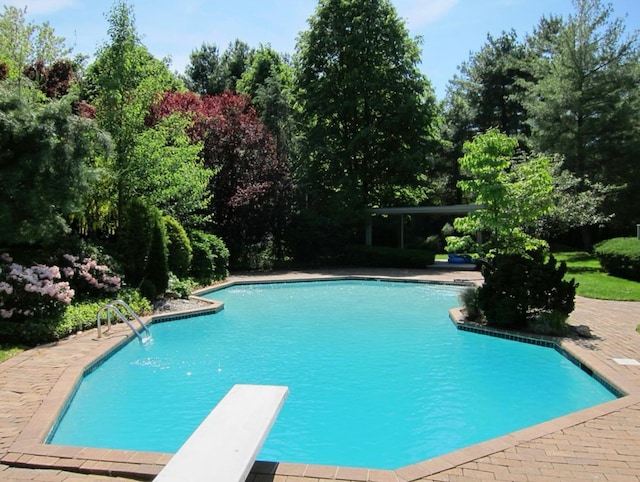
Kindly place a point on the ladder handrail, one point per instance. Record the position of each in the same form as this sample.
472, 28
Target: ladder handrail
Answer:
132, 313
113, 306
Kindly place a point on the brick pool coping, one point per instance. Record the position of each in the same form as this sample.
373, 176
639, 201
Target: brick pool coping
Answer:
35, 385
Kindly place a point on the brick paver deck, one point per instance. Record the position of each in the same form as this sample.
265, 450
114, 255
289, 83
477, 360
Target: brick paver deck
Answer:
600, 443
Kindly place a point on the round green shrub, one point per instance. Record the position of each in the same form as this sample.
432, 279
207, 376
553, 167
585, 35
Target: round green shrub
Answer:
620, 257
210, 257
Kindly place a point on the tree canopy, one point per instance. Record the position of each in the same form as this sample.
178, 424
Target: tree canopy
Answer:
367, 112
514, 194
45, 164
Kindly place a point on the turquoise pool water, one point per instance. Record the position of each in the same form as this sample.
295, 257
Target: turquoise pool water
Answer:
379, 376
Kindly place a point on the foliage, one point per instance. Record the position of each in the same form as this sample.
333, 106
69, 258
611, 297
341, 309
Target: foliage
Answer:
383, 257
252, 187
366, 111
492, 85
620, 257
469, 301
180, 287
122, 83
179, 248
87, 277
23, 43
268, 81
33, 292
212, 74
54, 81
156, 269
576, 203
584, 105
134, 238
82, 316
514, 195
210, 257
166, 169
46, 154
519, 290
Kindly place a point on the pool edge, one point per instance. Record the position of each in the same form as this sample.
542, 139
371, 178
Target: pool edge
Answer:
29, 451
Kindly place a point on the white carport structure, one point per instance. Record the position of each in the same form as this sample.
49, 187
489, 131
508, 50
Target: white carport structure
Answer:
454, 209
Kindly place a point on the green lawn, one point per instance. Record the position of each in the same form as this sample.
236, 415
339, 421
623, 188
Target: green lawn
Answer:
7, 352
594, 282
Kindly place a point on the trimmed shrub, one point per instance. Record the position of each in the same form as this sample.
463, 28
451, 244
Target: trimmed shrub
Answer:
620, 257
179, 246
156, 270
210, 257
134, 238
383, 257
519, 290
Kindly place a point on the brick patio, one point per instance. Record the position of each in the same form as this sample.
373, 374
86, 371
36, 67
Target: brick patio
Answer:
600, 443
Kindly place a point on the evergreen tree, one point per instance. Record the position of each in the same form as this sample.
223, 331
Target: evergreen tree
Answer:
584, 106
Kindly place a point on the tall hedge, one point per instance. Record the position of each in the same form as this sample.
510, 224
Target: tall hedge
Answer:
180, 250
134, 238
156, 270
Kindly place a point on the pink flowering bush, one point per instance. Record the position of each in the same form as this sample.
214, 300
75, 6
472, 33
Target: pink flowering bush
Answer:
88, 278
35, 292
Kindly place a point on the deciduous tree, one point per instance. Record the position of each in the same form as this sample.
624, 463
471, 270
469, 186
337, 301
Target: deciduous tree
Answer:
514, 195
252, 187
24, 43
122, 83
368, 113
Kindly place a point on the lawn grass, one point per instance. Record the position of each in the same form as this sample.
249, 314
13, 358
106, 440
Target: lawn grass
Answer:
7, 351
594, 282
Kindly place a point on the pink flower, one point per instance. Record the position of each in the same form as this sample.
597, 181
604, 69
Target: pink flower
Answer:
6, 287
6, 313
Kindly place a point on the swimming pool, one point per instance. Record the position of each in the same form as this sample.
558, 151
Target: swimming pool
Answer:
378, 375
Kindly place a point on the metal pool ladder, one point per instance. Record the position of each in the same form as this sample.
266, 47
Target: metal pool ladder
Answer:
143, 334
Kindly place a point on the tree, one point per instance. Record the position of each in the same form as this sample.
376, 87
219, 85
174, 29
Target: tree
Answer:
493, 84
202, 73
367, 112
23, 43
44, 168
251, 189
269, 83
514, 195
166, 169
122, 83
54, 81
210, 73
576, 203
584, 105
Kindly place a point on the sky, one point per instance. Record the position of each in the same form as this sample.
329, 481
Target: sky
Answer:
450, 29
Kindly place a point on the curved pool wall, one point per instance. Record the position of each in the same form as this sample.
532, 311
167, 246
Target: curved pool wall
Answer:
422, 452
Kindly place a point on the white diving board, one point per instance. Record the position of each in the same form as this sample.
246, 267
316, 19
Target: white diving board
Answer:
225, 446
